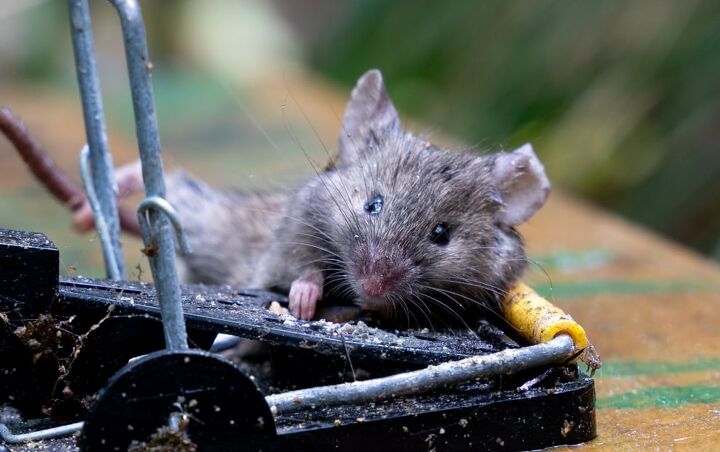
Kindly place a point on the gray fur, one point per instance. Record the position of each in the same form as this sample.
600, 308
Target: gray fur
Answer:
228, 230
268, 241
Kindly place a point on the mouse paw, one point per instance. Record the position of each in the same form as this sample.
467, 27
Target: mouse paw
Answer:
304, 295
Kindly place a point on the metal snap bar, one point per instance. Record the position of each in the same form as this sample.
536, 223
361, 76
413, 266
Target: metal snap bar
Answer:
102, 180
418, 381
162, 261
12, 438
154, 214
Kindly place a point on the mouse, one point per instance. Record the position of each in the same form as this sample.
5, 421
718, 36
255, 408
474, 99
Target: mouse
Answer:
397, 226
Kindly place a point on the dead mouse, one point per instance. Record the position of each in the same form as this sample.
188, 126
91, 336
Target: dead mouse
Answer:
398, 226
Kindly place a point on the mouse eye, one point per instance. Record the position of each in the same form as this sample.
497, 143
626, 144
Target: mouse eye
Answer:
440, 234
375, 205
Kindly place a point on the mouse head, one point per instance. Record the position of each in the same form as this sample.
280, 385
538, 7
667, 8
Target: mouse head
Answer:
419, 226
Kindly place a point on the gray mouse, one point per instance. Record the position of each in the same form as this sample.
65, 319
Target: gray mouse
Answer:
399, 226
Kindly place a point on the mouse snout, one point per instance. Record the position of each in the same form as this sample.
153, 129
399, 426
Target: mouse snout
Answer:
380, 275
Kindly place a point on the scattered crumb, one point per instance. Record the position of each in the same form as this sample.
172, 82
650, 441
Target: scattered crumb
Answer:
165, 439
566, 428
277, 309
430, 440
359, 330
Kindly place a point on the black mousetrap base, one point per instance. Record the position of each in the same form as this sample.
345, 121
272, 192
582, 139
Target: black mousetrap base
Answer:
66, 344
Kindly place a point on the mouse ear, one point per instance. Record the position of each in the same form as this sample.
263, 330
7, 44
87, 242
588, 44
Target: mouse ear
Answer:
370, 117
521, 181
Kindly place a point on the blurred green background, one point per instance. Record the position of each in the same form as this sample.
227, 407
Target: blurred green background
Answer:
620, 99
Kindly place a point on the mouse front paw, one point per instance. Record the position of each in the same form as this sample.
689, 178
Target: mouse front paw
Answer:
304, 295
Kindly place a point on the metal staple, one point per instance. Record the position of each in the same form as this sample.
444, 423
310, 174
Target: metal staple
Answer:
161, 205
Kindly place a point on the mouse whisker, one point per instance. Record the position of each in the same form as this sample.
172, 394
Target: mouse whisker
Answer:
449, 309
337, 280
349, 219
312, 245
307, 120
498, 291
428, 287
313, 236
344, 289
478, 303
485, 292
422, 307
327, 261
322, 178
408, 312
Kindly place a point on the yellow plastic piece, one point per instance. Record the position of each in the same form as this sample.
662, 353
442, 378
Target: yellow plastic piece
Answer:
537, 320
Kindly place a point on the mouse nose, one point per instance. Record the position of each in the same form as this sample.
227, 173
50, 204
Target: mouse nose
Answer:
380, 276
374, 287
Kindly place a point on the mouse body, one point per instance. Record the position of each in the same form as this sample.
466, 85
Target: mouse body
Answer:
398, 226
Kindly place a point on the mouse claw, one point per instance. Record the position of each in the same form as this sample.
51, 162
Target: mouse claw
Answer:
304, 295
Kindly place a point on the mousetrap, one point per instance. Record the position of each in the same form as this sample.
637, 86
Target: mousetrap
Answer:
66, 343
117, 365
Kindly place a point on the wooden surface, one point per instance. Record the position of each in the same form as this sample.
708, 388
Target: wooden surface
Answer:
651, 307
